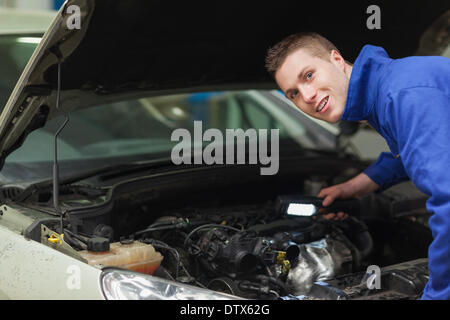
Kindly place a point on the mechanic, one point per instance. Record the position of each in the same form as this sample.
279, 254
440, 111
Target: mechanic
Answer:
406, 100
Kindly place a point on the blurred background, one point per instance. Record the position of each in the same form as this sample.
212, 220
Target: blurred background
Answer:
23, 22
32, 4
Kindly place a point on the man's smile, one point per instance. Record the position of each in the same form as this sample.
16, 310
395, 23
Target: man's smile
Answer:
323, 105
310, 81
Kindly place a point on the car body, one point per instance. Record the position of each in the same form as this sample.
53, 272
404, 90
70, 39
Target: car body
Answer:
87, 141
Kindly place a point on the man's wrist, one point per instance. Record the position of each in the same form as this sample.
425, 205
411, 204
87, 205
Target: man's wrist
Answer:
363, 184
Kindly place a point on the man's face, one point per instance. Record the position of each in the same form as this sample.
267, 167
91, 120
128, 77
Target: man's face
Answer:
316, 86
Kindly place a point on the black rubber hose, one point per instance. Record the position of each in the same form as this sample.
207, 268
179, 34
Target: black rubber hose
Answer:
273, 280
158, 228
364, 243
74, 235
73, 242
213, 225
356, 230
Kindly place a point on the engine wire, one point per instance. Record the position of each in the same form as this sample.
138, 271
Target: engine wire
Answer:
163, 245
212, 225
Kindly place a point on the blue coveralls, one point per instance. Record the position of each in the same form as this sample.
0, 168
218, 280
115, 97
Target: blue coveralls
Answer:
408, 102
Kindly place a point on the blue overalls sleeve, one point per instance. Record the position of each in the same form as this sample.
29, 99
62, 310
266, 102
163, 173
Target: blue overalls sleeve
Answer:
419, 118
387, 171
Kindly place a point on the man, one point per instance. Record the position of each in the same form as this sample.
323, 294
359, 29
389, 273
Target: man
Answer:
406, 100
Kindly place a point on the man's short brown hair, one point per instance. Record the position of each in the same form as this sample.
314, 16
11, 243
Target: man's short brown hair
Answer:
313, 42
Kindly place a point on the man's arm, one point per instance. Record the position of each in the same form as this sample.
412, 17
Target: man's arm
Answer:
387, 171
353, 188
382, 174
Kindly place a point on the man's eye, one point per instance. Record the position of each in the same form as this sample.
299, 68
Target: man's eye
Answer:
309, 75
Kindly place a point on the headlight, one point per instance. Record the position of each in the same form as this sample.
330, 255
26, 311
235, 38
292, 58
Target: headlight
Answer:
119, 284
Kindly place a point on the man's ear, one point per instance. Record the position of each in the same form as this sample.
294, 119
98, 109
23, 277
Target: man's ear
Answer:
337, 59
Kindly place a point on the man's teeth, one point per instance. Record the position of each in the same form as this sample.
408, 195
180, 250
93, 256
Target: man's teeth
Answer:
322, 104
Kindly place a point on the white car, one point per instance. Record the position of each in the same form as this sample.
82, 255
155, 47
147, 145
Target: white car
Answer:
97, 203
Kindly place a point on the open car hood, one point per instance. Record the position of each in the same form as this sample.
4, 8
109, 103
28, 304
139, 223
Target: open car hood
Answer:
140, 47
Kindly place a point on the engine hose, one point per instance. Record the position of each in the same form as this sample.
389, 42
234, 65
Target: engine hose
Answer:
261, 290
76, 236
174, 253
158, 228
357, 231
74, 242
364, 243
273, 280
212, 225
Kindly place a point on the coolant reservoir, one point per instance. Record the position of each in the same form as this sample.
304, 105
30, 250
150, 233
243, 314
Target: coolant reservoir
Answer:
137, 256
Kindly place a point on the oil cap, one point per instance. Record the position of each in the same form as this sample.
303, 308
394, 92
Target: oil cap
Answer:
98, 244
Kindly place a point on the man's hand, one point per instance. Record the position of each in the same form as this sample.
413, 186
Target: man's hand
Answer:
335, 216
353, 188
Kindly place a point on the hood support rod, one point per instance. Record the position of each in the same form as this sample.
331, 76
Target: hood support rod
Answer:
55, 151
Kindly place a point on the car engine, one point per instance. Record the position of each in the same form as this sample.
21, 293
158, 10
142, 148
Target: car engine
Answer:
253, 251
248, 247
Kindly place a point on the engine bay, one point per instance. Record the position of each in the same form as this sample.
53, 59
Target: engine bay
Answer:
250, 248
253, 253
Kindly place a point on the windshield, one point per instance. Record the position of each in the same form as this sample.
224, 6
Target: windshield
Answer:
15, 51
142, 128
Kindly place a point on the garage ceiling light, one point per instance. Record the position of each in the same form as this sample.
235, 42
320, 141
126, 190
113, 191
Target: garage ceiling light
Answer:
35, 40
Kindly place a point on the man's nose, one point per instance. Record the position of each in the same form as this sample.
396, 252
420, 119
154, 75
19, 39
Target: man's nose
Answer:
308, 93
